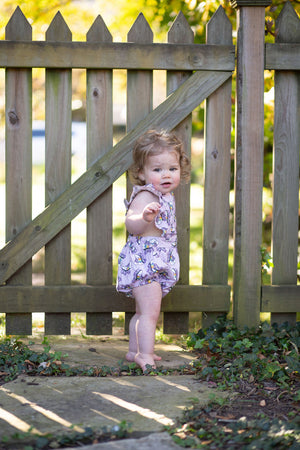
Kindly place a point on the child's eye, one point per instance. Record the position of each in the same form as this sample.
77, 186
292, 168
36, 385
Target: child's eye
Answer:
156, 169
173, 169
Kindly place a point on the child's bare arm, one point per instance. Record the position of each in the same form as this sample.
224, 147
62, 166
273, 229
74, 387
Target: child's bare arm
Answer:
141, 213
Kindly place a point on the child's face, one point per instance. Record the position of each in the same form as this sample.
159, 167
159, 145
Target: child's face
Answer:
162, 170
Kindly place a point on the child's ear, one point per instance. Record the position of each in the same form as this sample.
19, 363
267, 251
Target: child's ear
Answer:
141, 175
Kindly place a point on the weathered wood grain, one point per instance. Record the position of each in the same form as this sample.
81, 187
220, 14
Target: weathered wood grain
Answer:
249, 165
117, 55
283, 299
282, 56
84, 298
104, 172
58, 123
178, 323
99, 107
217, 169
286, 166
18, 148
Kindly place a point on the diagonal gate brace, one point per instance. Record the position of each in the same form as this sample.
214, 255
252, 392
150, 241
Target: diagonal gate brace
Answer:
104, 172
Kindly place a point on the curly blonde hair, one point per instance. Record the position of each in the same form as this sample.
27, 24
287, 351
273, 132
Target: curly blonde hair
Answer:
154, 142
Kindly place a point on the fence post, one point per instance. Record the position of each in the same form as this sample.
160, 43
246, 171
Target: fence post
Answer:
249, 160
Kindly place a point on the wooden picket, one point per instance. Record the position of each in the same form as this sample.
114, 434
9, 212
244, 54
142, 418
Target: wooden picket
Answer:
177, 322
217, 171
18, 93
58, 124
99, 213
286, 180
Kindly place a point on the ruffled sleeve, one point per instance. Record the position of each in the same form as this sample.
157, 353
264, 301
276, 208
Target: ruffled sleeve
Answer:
166, 218
137, 189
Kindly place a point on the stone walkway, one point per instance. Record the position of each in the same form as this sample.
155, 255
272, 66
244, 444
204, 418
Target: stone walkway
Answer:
58, 404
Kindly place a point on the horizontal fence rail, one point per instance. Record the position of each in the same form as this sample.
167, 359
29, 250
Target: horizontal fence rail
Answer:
282, 56
280, 299
92, 55
106, 299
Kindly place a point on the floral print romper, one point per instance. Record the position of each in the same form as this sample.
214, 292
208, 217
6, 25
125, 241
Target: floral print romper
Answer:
144, 258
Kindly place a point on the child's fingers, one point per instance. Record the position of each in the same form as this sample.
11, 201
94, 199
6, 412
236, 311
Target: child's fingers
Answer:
154, 206
152, 210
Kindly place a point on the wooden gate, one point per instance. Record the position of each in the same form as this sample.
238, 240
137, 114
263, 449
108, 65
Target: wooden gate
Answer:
213, 65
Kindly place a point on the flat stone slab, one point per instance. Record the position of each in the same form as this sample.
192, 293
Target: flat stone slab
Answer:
159, 441
58, 404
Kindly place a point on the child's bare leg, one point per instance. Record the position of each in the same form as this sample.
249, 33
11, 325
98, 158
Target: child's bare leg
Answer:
148, 303
132, 350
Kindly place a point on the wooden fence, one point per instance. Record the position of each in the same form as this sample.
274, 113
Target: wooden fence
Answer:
282, 299
194, 73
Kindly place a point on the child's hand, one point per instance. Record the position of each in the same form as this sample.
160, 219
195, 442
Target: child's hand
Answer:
151, 211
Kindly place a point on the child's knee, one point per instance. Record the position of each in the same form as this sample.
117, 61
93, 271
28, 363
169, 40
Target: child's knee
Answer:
154, 316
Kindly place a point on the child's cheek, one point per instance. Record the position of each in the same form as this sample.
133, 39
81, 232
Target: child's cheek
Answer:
155, 178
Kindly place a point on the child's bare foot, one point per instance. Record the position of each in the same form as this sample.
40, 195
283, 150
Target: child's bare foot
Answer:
131, 355
144, 360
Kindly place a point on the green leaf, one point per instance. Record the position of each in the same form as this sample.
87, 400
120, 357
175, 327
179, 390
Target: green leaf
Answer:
200, 343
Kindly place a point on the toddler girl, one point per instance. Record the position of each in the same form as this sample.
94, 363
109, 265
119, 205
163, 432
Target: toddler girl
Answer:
149, 263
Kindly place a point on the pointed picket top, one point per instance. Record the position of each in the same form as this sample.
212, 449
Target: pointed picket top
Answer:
219, 28
140, 31
18, 28
180, 31
99, 31
288, 25
58, 30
